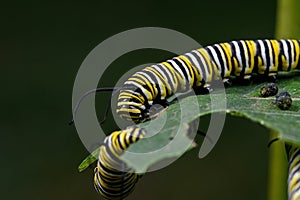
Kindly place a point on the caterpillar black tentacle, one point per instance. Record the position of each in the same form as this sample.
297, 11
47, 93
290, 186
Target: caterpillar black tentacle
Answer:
198, 68
90, 92
112, 179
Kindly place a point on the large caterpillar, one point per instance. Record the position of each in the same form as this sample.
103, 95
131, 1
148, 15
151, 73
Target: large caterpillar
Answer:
294, 172
195, 70
109, 180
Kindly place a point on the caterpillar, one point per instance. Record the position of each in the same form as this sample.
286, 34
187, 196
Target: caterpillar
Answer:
294, 172
198, 68
109, 180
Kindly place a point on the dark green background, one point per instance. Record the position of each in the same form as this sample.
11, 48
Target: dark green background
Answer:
42, 47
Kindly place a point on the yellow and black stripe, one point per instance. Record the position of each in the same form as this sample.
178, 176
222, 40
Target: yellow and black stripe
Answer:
294, 172
112, 179
196, 69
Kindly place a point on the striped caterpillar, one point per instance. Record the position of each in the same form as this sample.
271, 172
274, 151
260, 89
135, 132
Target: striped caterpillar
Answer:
198, 68
293, 153
109, 180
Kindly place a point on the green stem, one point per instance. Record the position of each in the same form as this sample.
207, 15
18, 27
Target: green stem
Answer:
287, 26
277, 170
288, 19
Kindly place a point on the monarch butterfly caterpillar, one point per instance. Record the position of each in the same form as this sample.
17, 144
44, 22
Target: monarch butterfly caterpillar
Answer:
294, 172
196, 69
109, 180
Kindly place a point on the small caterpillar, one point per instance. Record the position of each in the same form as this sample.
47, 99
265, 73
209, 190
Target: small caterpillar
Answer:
196, 69
109, 181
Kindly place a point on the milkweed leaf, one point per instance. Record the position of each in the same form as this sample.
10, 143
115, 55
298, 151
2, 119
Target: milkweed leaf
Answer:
242, 101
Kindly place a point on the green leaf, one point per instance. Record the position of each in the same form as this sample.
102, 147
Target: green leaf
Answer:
242, 101
246, 102
89, 160
169, 143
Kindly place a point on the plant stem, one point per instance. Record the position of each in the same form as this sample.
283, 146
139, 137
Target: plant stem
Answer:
287, 26
277, 170
288, 19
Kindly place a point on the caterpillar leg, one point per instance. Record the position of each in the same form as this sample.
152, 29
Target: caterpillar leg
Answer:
163, 102
272, 78
145, 115
272, 141
157, 107
267, 78
203, 89
246, 80
227, 82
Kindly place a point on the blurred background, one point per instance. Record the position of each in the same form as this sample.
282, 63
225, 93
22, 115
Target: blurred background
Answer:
43, 45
